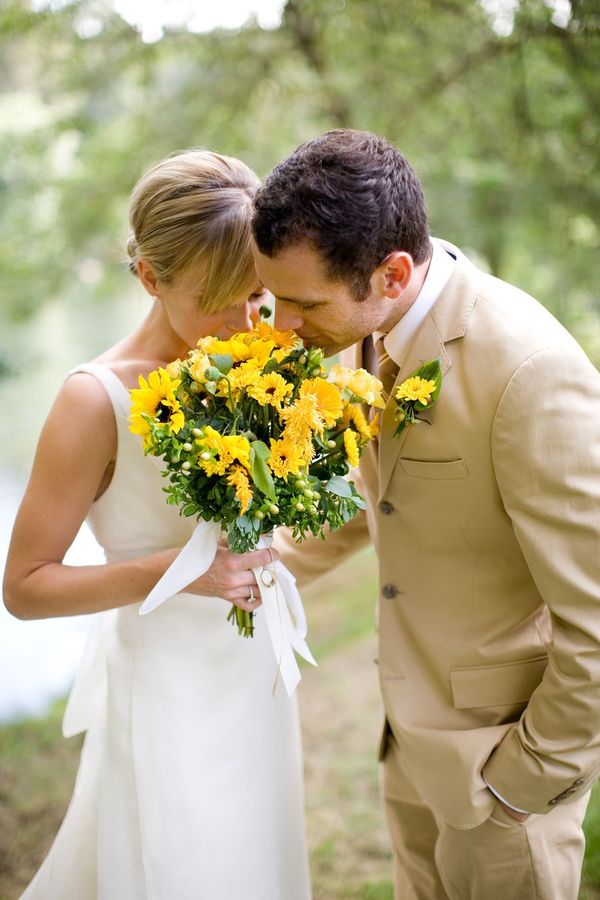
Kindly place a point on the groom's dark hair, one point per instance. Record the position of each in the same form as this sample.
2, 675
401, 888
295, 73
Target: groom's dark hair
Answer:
353, 196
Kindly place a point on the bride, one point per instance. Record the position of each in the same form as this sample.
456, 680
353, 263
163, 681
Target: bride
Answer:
190, 781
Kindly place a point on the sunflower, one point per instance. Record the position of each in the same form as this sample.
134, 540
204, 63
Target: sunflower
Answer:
285, 458
270, 390
238, 479
351, 447
329, 403
155, 399
415, 388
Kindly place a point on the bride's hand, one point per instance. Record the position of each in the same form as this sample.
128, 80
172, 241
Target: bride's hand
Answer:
231, 578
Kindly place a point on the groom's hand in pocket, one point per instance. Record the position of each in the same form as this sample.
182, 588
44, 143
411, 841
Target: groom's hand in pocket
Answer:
231, 577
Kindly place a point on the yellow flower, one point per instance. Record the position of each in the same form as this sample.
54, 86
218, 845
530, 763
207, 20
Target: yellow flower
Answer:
261, 351
214, 446
198, 363
328, 399
238, 479
286, 340
155, 398
353, 415
285, 458
173, 369
416, 388
301, 420
243, 375
238, 448
270, 390
351, 447
360, 383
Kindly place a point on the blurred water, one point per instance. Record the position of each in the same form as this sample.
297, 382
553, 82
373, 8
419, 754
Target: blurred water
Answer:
38, 658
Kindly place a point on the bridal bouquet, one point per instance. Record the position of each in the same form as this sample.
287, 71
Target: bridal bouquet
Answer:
256, 434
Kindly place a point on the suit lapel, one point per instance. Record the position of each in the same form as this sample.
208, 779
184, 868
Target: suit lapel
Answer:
427, 345
447, 321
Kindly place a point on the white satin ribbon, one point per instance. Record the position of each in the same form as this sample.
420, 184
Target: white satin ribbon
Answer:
283, 610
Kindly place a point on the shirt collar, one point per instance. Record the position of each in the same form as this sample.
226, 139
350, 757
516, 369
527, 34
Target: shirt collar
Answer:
398, 340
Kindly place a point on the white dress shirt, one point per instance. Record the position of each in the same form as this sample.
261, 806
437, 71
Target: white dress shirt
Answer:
398, 340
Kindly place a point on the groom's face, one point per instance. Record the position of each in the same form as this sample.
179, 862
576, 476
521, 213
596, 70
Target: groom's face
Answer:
324, 313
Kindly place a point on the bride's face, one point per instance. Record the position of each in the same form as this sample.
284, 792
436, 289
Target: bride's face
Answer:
181, 300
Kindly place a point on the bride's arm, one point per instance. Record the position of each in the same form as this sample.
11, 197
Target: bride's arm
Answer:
75, 448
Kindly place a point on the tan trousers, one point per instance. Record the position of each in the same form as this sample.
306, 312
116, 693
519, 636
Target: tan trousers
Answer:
499, 860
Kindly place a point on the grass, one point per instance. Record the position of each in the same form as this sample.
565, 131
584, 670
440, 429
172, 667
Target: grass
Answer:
341, 713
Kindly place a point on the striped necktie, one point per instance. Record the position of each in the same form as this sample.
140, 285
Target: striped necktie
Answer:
387, 370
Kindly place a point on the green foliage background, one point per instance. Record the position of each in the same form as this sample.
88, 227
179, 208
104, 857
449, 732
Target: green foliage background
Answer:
502, 128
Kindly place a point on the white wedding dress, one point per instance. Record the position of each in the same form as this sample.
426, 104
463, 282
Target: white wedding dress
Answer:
190, 785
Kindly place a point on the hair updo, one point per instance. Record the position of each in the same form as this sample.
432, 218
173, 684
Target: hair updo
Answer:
196, 207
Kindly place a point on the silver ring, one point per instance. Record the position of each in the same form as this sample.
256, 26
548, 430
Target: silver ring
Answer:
267, 578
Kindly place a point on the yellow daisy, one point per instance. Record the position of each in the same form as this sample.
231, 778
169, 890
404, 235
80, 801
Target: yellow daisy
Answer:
285, 458
270, 390
155, 398
238, 479
351, 447
416, 388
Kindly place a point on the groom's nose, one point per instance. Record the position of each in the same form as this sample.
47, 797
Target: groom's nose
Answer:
287, 319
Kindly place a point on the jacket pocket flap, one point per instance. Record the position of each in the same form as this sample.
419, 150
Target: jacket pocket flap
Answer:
499, 685
430, 468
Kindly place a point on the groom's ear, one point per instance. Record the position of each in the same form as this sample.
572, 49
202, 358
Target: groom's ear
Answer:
393, 274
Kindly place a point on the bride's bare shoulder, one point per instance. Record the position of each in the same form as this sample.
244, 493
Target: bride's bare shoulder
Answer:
127, 369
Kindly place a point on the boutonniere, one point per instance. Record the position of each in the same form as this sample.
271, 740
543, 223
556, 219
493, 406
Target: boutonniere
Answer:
418, 393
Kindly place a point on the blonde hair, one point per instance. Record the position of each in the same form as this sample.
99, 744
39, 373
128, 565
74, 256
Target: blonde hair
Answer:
196, 207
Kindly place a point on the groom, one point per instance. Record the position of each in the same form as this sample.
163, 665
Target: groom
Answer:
486, 523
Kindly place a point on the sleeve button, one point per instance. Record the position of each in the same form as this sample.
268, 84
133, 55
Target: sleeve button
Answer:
390, 591
386, 508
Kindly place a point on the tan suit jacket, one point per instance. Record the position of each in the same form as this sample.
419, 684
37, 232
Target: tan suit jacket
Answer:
487, 530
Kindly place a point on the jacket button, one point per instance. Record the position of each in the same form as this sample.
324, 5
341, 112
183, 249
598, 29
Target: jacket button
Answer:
386, 508
390, 591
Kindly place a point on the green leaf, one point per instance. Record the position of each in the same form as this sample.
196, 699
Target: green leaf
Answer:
338, 486
223, 362
261, 474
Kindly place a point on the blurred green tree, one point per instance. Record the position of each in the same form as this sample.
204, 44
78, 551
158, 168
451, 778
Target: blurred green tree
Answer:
495, 102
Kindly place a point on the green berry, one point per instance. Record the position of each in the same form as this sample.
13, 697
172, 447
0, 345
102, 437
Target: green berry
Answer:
197, 432
186, 466
259, 514
331, 444
274, 509
300, 507
187, 447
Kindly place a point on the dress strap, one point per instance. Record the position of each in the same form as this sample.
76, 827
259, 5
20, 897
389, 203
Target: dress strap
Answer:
114, 387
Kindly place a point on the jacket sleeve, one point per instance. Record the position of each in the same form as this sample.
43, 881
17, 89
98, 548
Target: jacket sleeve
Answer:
546, 453
314, 557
